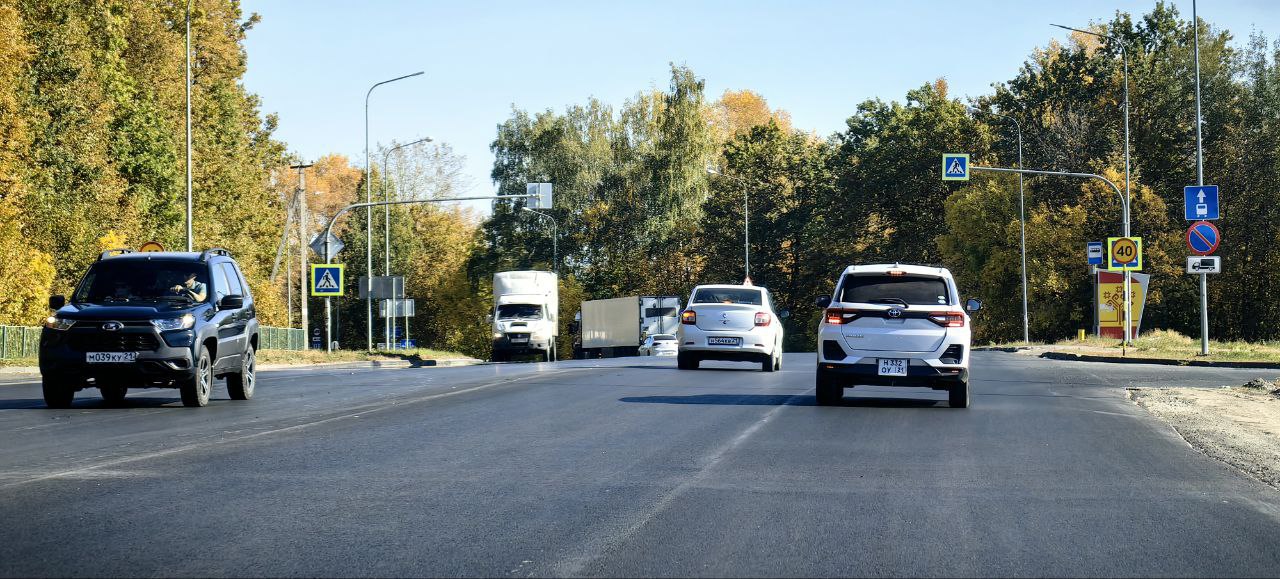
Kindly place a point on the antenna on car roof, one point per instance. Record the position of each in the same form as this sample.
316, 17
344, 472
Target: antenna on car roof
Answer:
117, 251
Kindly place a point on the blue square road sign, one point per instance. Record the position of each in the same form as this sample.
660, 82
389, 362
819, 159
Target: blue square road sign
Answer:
955, 167
326, 279
1201, 202
1094, 252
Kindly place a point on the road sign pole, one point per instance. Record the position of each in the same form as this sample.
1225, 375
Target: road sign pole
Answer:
1204, 279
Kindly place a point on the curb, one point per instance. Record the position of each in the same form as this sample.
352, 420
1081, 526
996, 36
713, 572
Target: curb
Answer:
430, 363
1156, 361
25, 371
1001, 349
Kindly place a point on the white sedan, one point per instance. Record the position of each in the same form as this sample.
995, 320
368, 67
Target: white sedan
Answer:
659, 345
730, 322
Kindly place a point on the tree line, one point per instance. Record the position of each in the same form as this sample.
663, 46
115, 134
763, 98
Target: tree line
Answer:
92, 150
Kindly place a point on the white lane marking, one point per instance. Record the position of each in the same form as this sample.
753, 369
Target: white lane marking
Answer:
601, 543
354, 413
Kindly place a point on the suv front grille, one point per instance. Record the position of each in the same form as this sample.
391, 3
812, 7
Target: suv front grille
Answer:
113, 342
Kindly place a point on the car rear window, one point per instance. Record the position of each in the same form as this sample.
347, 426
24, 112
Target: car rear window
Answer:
888, 289
663, 338
727, 296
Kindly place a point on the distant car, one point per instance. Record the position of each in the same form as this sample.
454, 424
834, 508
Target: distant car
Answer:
894, 325
660, 345
730, 322
152, 320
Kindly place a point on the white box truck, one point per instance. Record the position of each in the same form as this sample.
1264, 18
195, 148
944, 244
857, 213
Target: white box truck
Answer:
616, 327
526, 314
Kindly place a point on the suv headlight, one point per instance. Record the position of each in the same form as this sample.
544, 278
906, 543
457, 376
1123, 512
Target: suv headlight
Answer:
56, 323
183, 323
497, 335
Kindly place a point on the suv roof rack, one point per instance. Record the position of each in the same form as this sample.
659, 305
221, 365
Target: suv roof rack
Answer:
204, 255
116, 251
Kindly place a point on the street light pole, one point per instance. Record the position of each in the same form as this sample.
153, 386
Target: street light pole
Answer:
187, 61
389, 320
368, 213
1022, 220
555, 251
746, 222
1124, 55
1204, 278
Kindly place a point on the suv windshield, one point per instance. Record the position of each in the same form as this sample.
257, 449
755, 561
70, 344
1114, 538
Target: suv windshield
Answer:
890, 289
727, 296
519, 312
113, 281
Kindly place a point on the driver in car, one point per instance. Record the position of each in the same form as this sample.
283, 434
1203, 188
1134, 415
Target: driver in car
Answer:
190, 288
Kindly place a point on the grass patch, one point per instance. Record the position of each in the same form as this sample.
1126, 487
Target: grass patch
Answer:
303, 357
1172, 345
9, 362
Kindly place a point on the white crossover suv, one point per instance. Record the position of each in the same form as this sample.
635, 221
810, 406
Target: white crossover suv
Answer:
730, 322
894, 325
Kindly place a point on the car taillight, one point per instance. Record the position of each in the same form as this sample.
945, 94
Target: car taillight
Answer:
688, 317
762, 318
838, 316
948, 319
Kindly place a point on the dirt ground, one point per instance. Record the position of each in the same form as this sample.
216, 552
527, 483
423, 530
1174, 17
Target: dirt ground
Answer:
1239, 426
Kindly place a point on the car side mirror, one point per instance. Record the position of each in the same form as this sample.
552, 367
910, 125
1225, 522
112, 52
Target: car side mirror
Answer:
822, 301
784, 314
232, 302
973, 305
56, 302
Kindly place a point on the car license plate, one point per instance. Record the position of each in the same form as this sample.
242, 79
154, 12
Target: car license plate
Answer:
110, 357
723, 341
893, 366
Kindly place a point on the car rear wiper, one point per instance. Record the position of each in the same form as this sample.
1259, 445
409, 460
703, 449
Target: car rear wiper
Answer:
899, 301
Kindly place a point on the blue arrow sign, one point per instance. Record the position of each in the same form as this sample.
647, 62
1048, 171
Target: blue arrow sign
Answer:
1201, 202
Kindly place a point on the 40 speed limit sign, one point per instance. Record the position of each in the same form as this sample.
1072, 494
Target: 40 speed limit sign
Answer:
1124, 253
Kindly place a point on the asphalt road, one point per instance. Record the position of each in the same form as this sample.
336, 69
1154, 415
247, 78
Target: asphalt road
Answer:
628, 468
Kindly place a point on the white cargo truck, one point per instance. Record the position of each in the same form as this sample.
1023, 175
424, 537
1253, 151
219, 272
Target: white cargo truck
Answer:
617, 327
526, 313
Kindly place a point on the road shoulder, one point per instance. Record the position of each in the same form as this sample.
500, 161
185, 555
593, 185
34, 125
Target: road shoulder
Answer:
1238, 425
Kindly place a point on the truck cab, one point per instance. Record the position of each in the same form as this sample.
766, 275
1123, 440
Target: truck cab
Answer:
525, 317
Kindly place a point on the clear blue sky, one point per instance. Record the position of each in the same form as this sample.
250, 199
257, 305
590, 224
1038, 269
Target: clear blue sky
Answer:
311, 62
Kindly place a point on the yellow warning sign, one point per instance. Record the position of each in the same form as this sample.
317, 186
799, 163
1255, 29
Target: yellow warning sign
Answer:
151, 246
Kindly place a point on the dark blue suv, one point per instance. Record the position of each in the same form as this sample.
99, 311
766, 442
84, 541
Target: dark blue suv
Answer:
152, 320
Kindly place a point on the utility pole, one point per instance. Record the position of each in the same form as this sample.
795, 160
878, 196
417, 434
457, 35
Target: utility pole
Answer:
1204, 277
302, 246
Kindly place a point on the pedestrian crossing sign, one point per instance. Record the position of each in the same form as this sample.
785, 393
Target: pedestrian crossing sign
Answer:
955, 167
326, 279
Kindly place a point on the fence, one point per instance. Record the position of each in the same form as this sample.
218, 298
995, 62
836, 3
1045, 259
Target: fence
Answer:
24, 342
19, 342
